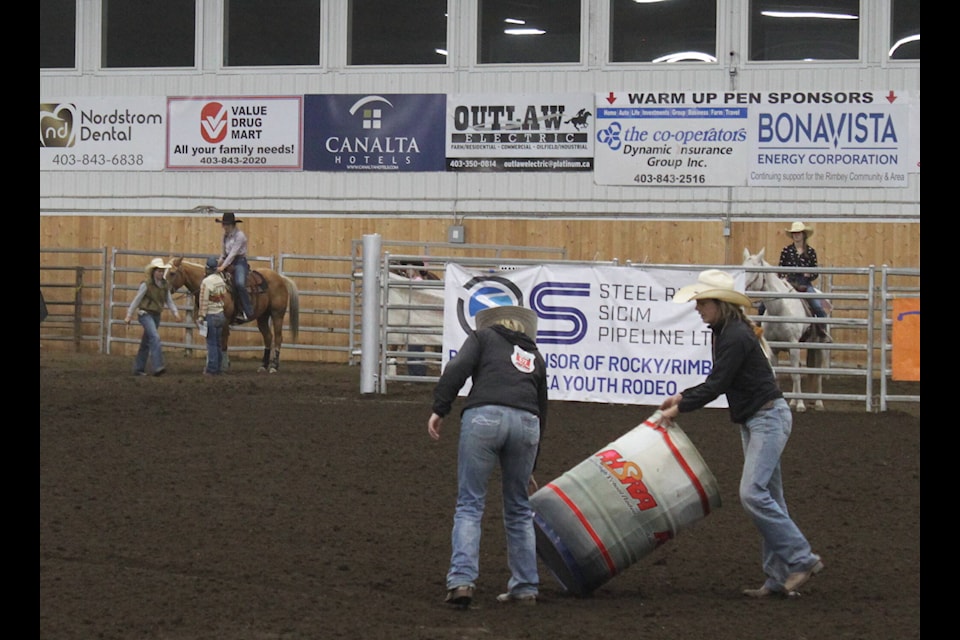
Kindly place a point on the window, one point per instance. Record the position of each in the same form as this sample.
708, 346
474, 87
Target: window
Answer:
149, 33
804, 30
674, 31
532, 31
905, 30
58, 34
271, 33
387, 32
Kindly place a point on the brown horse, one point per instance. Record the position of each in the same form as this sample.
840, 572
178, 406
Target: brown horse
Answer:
270, 293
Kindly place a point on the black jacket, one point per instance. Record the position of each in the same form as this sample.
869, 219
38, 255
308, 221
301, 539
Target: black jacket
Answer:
487, 356
740, 370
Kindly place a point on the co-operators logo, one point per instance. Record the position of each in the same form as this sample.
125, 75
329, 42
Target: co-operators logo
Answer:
57, 125
611, 136
484, 292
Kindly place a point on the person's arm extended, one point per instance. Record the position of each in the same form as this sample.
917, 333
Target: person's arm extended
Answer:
132, 309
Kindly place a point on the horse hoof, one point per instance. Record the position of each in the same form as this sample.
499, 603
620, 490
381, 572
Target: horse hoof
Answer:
262, 370
272, 370
801, 408
818, 406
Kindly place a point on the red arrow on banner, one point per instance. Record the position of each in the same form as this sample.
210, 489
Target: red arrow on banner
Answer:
891, 97
611, 98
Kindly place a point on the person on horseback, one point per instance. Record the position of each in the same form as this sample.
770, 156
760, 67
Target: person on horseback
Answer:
234, 254
800, 254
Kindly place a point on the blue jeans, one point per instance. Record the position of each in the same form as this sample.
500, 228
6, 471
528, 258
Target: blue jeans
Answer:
215, 322
488, 435
149, 343
784, 549
240, 271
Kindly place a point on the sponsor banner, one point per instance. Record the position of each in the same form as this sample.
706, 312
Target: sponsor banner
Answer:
385, 132
235, 133
608, 334
683, 138
102, 134
776, 139
501, 132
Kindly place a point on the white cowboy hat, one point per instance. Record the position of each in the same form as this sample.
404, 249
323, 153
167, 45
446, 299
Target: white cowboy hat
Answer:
491, 315
156, 263
712, 284
797, 227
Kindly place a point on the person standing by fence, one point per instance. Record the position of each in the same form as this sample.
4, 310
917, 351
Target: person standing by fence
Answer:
234, 254
149, 302
213, 291
502, 422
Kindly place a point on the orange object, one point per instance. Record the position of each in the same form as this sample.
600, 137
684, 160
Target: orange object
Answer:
906, 339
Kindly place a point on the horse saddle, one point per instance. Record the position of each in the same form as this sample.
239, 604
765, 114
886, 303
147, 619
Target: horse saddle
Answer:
256, 283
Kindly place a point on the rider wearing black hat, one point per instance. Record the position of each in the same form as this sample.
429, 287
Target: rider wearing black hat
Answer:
234, 254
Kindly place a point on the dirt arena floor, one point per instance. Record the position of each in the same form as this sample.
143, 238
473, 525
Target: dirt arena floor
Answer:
291, 506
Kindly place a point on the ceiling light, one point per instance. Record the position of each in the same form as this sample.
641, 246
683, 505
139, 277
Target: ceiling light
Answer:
524, 32
809, 14
686, 56
515, 21
902, 41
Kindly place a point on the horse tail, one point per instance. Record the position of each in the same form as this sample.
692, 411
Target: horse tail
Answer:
294, 302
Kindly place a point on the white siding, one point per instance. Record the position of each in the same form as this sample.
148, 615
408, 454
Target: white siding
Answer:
440, 194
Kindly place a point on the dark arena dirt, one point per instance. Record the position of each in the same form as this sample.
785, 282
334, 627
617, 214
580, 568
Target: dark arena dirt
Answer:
291, 506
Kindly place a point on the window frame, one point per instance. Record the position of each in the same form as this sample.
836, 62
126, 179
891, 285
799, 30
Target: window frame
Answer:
887, 30
343, 51
863, 43
98, 36
473, 23
78, 49
721, 27
223, 38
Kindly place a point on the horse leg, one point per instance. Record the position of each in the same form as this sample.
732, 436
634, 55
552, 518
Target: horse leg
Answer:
224, 358
796, 378
263, 324
814, 361
277, 341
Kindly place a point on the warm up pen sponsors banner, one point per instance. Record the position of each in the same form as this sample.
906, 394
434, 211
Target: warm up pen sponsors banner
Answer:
681, 138
608, 334
829, 139
235, 133
100, 134
374, 132
789, 138
501, 132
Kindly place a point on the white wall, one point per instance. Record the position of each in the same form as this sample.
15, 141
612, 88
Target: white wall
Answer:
474, 194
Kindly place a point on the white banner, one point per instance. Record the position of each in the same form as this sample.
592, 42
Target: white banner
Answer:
507, 132
235, 133
608, 334
765, 139
102, 134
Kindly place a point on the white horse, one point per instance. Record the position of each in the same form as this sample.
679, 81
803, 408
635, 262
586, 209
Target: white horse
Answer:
797, 331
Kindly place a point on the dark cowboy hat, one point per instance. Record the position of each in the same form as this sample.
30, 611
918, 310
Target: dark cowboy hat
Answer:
229, 218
